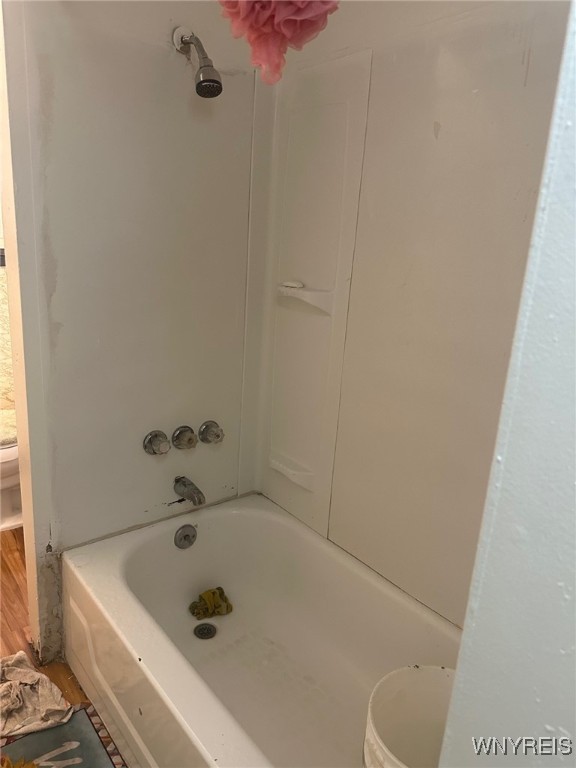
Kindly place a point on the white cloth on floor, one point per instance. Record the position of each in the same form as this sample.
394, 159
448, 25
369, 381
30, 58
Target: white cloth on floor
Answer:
29, 701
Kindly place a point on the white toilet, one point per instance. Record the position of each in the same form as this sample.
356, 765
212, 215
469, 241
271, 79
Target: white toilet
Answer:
10, 502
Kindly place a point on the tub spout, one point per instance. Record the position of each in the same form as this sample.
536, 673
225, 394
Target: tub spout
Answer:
186, 489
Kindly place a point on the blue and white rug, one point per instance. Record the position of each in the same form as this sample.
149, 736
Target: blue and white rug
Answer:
82, 741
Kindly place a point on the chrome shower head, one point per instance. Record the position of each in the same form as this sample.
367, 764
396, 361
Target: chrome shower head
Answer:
208, 79
208, 82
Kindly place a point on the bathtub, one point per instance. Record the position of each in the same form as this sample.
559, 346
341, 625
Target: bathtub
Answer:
287, 678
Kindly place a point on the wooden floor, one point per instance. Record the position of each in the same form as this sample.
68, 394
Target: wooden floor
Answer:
14, 628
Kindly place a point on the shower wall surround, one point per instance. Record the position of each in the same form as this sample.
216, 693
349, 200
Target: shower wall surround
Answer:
391, 178
320, 129
458, 113
140, 193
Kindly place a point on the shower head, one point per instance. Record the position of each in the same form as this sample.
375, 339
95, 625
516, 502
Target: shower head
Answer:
208, 80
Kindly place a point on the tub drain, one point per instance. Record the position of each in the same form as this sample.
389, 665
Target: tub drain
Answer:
205, 631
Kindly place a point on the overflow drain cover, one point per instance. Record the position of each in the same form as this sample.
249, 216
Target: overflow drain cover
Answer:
205, 631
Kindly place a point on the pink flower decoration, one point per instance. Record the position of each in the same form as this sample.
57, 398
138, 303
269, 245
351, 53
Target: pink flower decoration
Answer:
272, 26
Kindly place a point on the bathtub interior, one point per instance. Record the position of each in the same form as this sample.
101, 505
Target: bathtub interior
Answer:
312, 631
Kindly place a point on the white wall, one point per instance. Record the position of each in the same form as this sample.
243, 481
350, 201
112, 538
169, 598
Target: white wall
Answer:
134, 211
459, 107
517, 669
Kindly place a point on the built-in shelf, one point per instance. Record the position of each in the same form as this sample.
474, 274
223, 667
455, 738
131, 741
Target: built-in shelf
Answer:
322, 300
295, 472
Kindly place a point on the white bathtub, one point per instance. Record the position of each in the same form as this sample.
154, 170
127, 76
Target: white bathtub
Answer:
287, 678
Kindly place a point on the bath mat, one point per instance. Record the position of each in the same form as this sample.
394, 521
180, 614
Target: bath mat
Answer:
82, 741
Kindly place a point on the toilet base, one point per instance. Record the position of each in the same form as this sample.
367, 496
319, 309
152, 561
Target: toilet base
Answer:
11, 507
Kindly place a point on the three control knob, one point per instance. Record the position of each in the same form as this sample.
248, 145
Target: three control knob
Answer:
157, 443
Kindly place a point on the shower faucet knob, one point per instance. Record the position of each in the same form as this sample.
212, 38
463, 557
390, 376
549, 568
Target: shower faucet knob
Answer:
184, 437
156, 443
211, 432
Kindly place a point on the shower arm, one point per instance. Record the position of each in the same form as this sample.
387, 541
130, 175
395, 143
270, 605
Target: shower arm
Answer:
204, 59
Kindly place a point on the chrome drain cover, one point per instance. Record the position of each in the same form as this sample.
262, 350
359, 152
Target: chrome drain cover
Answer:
205, 631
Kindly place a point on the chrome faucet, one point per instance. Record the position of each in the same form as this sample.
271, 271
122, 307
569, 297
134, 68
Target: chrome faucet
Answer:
186, 489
